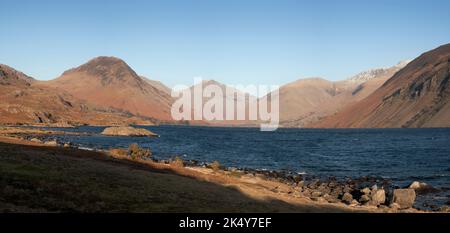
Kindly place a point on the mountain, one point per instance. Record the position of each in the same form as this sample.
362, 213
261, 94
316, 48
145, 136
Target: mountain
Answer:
24, 102
378, 72
238, 103
10, 76
306, 101
110, 82
416, 96
158, 85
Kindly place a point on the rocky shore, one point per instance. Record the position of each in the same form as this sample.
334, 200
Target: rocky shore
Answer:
372, 192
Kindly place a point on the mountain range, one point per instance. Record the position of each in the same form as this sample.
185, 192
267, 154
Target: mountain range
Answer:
416, 96
106, 90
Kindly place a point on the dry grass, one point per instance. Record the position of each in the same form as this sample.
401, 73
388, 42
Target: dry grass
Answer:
52, 179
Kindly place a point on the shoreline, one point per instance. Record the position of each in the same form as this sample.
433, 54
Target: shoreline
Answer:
294, 190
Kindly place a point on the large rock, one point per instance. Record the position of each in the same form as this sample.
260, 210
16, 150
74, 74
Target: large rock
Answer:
347, 198
365, 191
128, 131
364, 198
445, 209
404, 198
422, 188
316, 194
36, 140
330, 198
51, 143
378, 197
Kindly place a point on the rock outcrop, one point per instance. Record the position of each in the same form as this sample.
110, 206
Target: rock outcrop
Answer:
128, 131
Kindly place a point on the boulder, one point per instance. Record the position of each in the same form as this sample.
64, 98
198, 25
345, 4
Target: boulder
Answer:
364, 198
365, 191
354, 203
377, 197
445, 209
336, 192
316, 194
51, 143
347, 189
313, 184
306, 192
128, 131
36, 140
347, 198
404, 198
416, 185
297, 178
394, 206
330, 198
374, 188
323, 188
422, 188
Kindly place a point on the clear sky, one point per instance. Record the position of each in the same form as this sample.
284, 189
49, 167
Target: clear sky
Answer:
235, 42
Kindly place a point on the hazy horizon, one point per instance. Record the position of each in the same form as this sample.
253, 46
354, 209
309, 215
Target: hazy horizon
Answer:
251, 42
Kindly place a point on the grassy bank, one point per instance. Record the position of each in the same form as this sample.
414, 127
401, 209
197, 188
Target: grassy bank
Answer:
36, 178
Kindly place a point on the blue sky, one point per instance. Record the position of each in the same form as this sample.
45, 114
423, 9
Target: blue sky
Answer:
235, 42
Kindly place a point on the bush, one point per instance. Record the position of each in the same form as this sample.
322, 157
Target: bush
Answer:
236, 174
135, 152
215, 166
178, 162
117, 152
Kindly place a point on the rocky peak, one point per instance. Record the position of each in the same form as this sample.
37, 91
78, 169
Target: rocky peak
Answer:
377, 72
10, 76
109, 69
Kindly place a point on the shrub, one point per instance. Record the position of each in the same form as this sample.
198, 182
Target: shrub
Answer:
236, 174
118, 152
178, 162
215, 166
135, 152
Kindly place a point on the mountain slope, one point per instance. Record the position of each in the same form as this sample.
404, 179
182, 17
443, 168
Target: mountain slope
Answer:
238, 103
416, 96
24, 102
110, 82
306, 101
158, 85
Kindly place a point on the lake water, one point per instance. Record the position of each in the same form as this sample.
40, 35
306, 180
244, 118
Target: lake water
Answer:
401, 155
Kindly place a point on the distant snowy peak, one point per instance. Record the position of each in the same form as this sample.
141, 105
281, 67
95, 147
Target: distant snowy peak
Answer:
378, 72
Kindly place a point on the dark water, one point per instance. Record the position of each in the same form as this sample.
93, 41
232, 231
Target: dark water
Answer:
402, 155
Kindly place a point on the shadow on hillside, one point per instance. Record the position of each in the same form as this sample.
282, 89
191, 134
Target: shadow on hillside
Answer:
43, 179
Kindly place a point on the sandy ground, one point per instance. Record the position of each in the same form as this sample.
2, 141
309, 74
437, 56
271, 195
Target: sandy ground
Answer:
40, 178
